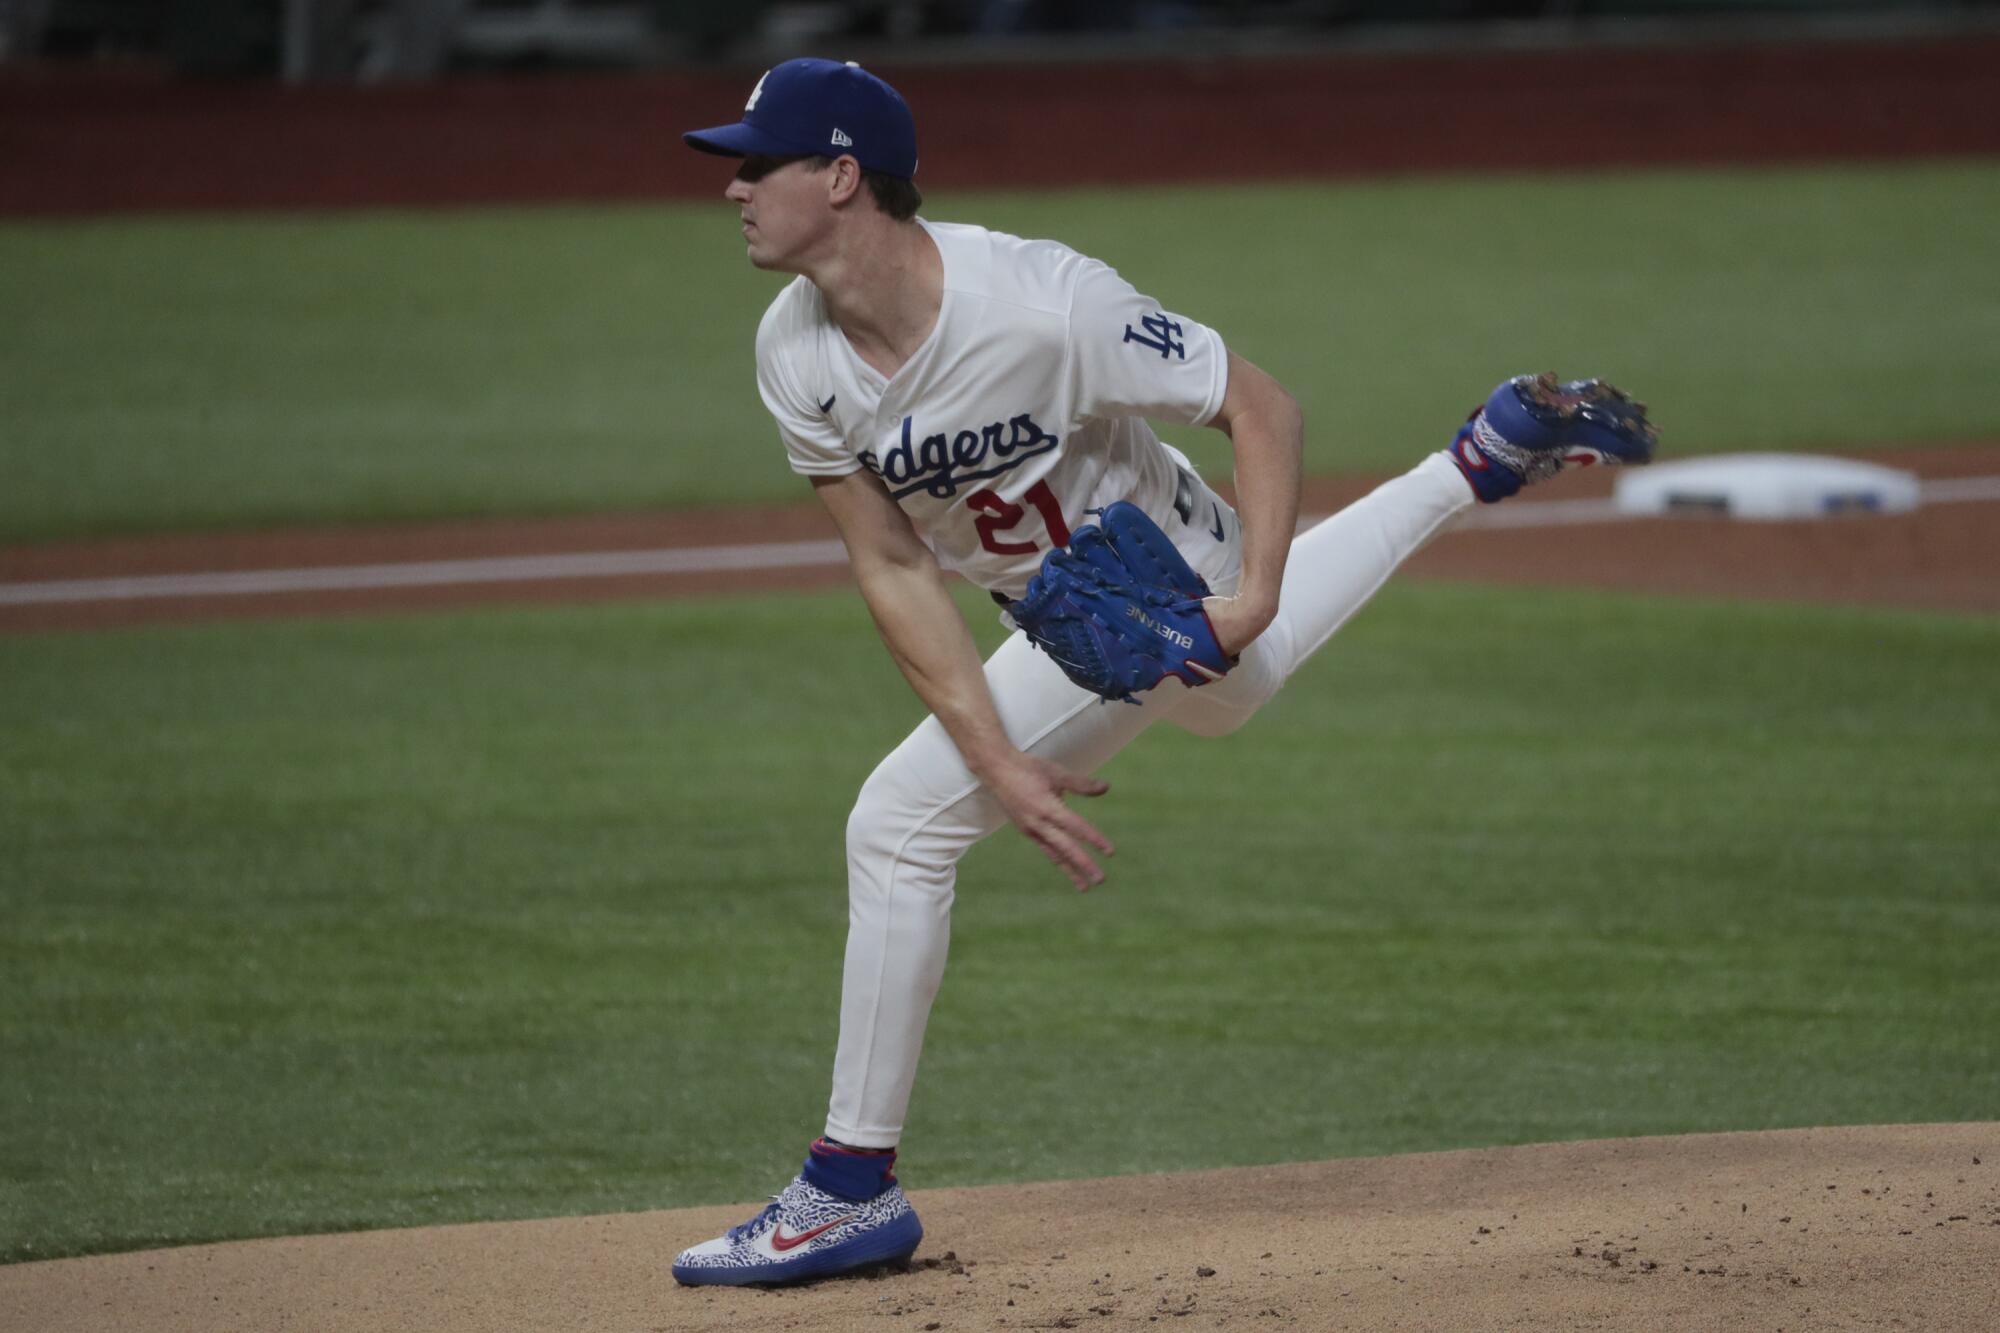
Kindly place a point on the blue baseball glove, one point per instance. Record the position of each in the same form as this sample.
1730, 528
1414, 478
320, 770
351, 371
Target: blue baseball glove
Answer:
1120, 610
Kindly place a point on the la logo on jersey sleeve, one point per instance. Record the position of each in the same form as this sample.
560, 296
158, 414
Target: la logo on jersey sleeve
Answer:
1162, 334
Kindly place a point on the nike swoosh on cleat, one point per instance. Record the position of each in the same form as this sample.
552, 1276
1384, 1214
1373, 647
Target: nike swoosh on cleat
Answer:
781, 1242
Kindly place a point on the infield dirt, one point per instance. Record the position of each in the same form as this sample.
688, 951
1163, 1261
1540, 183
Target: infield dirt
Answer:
1867, 1227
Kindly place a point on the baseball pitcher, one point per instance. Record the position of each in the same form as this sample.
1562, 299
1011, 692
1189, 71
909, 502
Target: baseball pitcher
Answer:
963, 400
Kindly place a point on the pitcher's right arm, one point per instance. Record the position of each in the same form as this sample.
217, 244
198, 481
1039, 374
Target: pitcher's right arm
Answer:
907, 595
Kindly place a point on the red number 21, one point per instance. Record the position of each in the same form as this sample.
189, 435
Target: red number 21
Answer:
997, 516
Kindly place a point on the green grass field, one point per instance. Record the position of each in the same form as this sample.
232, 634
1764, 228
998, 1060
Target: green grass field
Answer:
327, 924
330, 924
198, 373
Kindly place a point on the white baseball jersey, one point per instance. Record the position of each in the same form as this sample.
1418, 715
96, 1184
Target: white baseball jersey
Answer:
1024, 409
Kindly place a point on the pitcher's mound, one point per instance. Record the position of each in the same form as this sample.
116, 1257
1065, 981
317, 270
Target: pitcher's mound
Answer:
1895, 1226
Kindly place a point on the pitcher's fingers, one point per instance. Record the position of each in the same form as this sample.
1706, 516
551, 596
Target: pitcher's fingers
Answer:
1080, 828
1077, 877
1075, 861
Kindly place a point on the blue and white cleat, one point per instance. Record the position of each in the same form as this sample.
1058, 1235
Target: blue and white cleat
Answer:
1533, 427
806, 1233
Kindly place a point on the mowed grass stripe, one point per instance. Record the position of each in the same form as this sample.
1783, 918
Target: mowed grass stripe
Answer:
319, 925
191, 373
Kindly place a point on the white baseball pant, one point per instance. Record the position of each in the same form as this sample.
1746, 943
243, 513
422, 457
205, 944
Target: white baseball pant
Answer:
921, 810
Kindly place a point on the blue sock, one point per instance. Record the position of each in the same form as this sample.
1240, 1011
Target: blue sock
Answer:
850, 1173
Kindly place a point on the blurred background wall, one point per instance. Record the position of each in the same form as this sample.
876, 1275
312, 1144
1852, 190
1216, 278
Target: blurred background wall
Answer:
111, 106
386, 40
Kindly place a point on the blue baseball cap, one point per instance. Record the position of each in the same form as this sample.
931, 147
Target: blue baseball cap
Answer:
824, 107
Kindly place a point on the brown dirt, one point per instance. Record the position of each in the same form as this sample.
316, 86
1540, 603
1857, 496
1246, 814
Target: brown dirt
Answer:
1943, 556
1803, 1229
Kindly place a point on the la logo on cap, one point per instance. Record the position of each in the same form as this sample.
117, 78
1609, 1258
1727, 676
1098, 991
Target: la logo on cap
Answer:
812, 106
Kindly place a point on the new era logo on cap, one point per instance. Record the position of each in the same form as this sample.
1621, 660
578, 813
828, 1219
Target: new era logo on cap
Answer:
805, 107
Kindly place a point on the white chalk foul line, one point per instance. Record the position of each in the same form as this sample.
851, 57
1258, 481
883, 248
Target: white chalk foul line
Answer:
691, 559
1961, 490
429, 573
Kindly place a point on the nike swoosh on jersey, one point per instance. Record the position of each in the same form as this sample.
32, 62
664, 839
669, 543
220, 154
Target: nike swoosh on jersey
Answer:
781, 1242
827, 406
1217, 529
